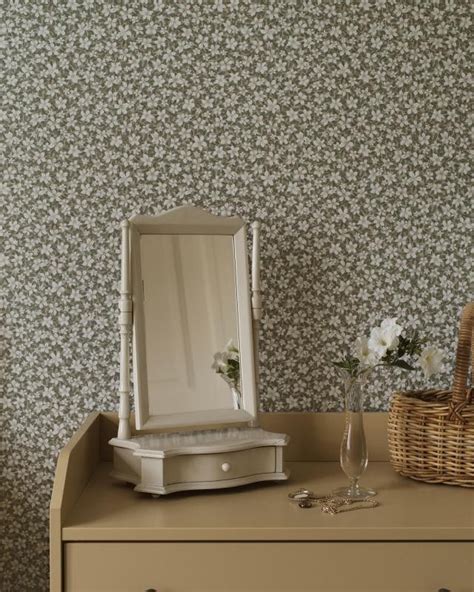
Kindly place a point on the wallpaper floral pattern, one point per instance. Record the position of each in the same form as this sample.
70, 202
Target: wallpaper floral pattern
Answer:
342, 126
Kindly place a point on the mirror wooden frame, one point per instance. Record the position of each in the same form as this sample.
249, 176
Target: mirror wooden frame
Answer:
186, 220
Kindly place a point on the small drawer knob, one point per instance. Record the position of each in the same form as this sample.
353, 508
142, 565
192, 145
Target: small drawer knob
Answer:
225, 467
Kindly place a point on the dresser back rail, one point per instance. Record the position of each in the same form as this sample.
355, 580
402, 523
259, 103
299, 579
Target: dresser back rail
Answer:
314, 437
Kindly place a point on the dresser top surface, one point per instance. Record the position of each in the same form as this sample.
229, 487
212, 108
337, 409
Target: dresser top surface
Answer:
409, 510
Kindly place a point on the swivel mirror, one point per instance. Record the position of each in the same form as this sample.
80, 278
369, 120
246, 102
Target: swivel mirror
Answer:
186, 295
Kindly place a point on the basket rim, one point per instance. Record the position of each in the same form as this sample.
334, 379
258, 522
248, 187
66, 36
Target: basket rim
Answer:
413, 397
414, 393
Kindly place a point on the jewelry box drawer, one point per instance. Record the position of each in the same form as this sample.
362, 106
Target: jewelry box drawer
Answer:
219, 466
268, 566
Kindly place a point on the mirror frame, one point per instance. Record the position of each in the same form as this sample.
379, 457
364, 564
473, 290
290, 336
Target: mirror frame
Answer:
186, 220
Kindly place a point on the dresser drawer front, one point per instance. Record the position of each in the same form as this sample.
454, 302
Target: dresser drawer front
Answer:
218, 466
267, 566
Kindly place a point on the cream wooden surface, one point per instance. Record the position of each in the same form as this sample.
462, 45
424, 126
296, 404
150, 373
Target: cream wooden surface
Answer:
76, 463
97, 520
109, 510
257, 567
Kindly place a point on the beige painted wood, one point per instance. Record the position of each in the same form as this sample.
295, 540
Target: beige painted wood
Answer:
317, 436
87, 507
248, 361
76, 462
313, 436
188, 220
125, 325
259, 567
162, 464
220, 466
256, 300
109, 510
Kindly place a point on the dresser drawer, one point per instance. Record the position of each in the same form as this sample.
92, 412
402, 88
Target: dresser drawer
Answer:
218, 466
269, 566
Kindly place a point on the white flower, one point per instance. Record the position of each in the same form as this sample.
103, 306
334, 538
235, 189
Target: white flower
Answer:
379, 341
364, 354
431, 360
391, 326
230, 345
385, 337
231, 351
220, 362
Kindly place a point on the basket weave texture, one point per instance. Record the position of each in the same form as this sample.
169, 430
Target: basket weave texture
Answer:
431, 432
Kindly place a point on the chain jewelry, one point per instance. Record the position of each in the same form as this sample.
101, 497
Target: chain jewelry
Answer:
330, 504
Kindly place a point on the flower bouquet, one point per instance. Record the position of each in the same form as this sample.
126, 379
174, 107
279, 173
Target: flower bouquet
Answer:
388, 345
227, 365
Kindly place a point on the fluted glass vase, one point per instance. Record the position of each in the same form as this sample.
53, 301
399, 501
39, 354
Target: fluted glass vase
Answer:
236, 397
353, 452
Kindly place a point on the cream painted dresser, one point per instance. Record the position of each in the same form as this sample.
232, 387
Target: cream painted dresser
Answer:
106, 537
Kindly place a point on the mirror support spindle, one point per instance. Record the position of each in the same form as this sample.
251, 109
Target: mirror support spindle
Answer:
125, 323
256, 299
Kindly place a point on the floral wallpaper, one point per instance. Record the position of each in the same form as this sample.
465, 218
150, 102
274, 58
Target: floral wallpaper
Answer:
342, 126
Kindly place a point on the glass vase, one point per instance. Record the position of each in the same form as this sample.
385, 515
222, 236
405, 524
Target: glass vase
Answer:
353, 452
236, 397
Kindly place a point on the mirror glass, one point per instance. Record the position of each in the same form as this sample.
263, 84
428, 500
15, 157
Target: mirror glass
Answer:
190, 314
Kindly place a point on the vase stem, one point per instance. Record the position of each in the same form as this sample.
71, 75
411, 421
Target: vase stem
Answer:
354, 486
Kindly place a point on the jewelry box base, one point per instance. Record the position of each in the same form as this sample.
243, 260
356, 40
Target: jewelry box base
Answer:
215, 459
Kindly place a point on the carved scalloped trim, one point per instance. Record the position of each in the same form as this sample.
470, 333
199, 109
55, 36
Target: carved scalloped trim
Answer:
187, 219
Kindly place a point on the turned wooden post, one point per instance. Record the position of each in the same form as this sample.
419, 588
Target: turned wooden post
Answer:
125, 323
256, 296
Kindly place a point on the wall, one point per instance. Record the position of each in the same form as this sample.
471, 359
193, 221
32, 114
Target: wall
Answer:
343, 127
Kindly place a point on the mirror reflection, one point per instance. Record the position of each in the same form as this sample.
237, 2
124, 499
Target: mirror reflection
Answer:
191, 329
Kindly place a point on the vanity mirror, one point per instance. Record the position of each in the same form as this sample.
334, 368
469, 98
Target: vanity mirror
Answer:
185, 296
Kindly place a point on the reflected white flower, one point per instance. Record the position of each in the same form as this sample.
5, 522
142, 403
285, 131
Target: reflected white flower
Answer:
220, 361
227, 364
231, 351
231, 345
365, 355
431, 361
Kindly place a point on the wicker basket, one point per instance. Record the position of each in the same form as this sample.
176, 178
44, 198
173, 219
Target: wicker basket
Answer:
431, 432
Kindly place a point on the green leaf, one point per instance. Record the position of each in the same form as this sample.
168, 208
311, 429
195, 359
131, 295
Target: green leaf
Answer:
402, 364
